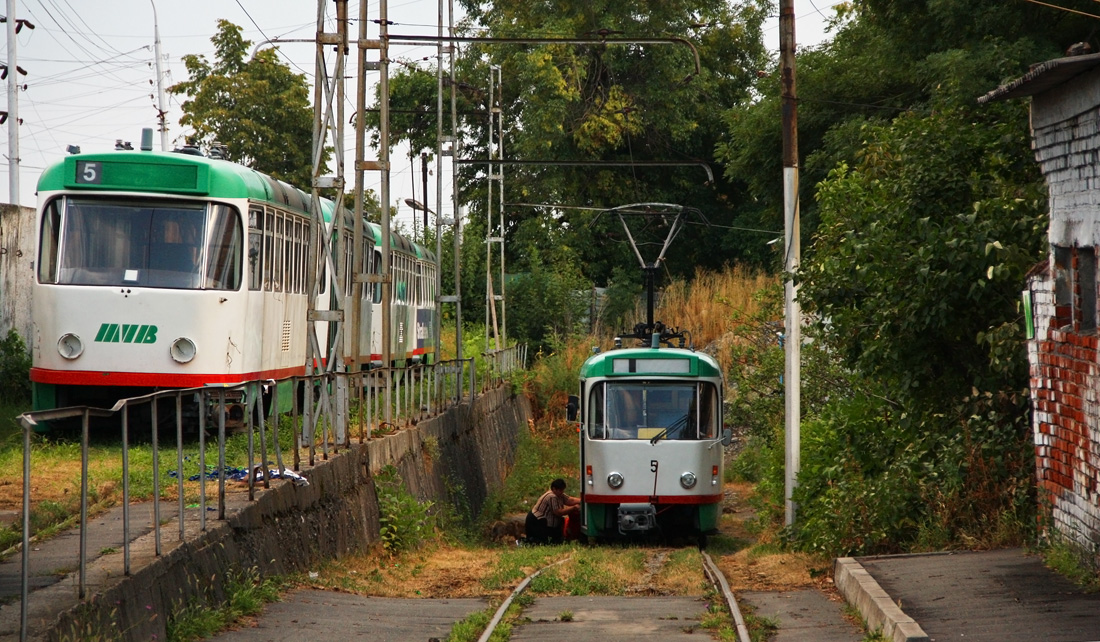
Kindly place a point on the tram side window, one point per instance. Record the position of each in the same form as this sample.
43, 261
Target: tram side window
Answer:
223, 250
709, 416
47, 251
376, 268
277, 273
595, 413
269, 248
255, 247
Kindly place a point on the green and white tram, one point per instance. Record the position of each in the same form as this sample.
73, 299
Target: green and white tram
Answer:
651, 443
164, 270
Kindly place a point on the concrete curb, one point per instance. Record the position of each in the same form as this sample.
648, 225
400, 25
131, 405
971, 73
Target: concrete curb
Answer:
874, 604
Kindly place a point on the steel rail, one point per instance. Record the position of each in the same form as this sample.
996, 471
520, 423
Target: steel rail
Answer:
716, 576
508, 602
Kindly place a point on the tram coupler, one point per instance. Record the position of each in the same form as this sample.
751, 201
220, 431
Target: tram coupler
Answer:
637, 518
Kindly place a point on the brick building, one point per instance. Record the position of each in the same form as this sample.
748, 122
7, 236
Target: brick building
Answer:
1061, 293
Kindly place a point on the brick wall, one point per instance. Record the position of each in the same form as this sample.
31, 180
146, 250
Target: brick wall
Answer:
1065, 380
1065, 375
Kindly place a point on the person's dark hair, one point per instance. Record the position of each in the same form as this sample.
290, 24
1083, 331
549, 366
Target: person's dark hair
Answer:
558, 483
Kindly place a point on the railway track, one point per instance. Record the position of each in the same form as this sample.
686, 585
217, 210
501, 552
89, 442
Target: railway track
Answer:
645, 612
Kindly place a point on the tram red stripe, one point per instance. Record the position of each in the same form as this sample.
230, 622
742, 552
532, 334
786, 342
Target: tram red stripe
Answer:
154, 379
645, 499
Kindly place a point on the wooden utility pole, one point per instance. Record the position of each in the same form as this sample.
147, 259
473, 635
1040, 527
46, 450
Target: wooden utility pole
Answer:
792, 256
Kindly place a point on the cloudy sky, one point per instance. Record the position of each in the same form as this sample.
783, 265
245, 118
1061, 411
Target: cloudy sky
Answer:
91, 76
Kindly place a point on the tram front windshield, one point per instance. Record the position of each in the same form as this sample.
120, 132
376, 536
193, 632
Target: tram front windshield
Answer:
653, 410
133, 243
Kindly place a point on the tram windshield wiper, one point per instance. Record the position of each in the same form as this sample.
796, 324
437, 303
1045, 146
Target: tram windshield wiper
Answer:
675, 427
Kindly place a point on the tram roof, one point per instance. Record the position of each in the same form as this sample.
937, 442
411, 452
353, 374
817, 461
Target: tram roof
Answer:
172, 173
633, 362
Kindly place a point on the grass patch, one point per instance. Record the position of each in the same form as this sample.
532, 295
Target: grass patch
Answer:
246, 595
1070, 561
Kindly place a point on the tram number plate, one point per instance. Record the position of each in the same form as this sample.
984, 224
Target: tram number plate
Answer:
89, 172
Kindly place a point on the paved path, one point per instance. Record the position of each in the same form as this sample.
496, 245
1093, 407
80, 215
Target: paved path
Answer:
612, 619
803, 615
1003, 596
310, 614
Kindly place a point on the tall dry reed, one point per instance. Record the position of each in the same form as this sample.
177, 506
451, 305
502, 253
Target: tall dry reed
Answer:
709, 304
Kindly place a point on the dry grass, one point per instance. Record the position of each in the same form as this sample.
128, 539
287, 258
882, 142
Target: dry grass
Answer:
441, 571
709, 305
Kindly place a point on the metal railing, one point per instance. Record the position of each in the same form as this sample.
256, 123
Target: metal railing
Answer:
503, 362
339, 405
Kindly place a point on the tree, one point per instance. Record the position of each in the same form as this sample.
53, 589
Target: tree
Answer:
594, 102
257, 108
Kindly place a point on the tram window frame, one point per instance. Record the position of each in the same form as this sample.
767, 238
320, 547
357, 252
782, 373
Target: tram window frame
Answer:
50, 245
255, 247
223, 272
704, 395
376, 269
597, 427
269, 249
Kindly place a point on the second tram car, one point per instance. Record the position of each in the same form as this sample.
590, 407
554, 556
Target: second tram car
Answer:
168, 270
651, 443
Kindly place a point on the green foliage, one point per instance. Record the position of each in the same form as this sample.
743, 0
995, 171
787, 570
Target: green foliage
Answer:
1071, 561
918, 262
405, 522
256, 107
469, 629
550, 300
245, 594
15, 367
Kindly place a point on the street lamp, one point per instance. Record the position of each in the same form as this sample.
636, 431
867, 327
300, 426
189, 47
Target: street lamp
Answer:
417, 205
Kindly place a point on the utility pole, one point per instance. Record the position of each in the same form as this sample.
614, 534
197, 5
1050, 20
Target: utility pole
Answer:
161, 110
793, 253
496, 175
13, 109
424, 176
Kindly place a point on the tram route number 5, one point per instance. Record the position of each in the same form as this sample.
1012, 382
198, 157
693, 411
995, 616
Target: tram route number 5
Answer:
89, 173
653, 465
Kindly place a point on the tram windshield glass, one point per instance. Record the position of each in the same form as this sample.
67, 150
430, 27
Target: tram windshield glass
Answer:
145, 244
653, 410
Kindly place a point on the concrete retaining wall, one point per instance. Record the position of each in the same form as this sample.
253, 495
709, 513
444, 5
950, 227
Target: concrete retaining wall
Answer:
455, 459
16, 269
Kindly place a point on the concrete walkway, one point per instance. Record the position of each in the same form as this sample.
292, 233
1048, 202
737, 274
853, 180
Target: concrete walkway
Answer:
327, 615
803, 615
1003, 595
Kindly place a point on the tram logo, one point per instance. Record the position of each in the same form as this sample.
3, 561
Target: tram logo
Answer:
126, 333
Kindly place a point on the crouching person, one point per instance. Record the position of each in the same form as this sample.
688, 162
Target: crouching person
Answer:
544, 521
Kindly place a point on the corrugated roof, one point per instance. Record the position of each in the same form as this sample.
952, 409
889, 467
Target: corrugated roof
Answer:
1043, 76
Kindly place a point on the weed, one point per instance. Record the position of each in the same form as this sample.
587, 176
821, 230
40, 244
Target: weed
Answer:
15, 366
760, 628
405, 521
565, 616
1072, 562
246, 594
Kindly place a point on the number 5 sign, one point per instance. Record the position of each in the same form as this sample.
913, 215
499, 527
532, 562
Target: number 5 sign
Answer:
89, 172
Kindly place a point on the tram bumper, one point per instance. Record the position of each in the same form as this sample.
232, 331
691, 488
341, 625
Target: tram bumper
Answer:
636, 518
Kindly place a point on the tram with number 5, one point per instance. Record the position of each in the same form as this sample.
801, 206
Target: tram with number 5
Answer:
163, 270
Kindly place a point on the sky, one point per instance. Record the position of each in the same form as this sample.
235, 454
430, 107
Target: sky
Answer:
91, 76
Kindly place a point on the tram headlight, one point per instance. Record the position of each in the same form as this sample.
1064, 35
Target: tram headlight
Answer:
183, 350
70, 346
687, 480
615, 480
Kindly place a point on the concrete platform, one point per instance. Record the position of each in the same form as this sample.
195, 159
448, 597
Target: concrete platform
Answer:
612, 619
803, 615
1003, 595
326, 615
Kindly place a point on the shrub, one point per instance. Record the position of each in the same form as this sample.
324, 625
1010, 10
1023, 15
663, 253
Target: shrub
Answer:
405, 521
15, 366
